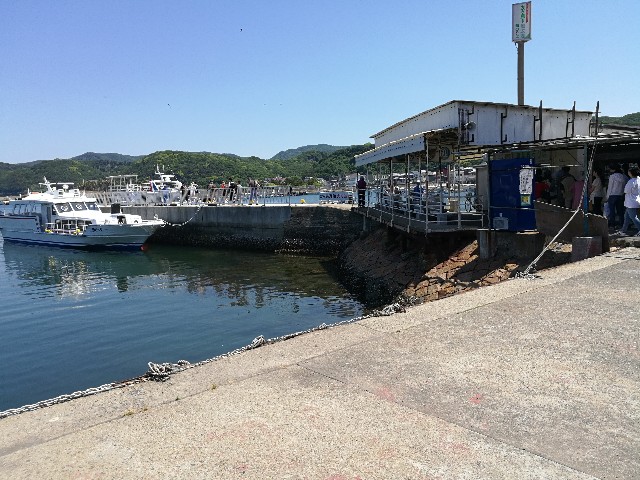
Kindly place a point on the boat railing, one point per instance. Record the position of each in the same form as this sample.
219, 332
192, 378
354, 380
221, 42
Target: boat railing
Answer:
65, 227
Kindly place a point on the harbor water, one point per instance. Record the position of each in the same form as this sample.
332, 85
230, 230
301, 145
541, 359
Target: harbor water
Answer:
72, 320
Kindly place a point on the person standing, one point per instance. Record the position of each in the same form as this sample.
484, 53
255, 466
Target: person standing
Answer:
416, 196
253, 185
223, 188
576, 193
566, 185
232, 189
631, 203
238, 189
615, 196
362, 188
596, 192
541, 188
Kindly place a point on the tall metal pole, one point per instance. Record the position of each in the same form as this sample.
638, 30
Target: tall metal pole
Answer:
520, 46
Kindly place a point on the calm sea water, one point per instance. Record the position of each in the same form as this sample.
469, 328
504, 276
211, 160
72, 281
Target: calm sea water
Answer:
70, 320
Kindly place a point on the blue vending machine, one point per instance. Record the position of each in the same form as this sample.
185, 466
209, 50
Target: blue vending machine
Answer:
511, 194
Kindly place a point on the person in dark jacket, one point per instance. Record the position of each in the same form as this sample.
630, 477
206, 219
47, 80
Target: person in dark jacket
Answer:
362, 188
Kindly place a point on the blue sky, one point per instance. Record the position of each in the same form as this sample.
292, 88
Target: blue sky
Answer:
257, 77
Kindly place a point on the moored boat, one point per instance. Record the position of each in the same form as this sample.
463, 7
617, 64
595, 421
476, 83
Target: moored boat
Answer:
62, 216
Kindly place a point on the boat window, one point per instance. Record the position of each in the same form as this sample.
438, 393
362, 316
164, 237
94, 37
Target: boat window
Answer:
78, 206
92, 206
62, 207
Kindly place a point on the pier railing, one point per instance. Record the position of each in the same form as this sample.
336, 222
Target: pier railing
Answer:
435, 209
270, 195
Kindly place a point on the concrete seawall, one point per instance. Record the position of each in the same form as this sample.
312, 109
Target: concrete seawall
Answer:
304, 229
378, 264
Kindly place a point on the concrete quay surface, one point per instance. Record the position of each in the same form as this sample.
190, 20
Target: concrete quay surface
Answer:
526, 379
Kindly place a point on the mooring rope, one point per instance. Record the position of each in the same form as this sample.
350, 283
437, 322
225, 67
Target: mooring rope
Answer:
162, 371
169, 224
528, 272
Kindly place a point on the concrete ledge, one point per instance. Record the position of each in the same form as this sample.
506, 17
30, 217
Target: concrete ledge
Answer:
519, 245
310, 229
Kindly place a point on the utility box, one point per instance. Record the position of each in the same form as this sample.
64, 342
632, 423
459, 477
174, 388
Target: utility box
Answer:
511, 195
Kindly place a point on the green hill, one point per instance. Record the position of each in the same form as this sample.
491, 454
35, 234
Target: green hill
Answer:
294, 152
91, 169
630, 119
106, 157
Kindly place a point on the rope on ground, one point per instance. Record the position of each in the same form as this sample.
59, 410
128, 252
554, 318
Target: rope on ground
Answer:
528, 272
160, 372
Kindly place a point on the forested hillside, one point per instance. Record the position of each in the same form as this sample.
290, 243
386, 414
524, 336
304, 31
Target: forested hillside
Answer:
294, 152
91, 169
631, 119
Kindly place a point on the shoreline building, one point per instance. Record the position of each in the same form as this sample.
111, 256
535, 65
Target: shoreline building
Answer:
507, 143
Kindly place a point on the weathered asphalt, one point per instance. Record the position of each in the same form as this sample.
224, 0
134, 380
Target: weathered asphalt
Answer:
527, 379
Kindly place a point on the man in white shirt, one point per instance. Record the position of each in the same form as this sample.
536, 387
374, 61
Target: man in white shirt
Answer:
615, 196
631, 203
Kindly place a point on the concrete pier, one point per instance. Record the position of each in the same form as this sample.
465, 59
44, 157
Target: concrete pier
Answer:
301, 228
525, 379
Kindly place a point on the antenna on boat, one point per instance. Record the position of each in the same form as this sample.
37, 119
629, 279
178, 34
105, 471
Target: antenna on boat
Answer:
47, 184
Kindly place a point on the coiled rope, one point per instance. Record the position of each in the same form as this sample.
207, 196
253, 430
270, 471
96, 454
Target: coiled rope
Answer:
162, 371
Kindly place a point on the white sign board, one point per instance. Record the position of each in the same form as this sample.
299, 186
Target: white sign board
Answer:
526, 180
521, 22
334, 196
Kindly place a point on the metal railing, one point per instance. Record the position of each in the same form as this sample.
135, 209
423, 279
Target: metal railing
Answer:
436, 209
66, 227
270, 195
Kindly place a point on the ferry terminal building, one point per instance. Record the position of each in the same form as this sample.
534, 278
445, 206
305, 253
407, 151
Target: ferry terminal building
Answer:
508, 143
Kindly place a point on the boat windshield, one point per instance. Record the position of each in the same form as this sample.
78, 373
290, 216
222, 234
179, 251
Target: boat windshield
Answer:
62, 207
92, 206
77, 206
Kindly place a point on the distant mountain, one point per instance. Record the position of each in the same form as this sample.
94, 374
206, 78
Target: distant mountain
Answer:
294, 152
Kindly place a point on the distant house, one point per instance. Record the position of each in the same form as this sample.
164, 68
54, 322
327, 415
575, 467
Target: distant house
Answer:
351, 179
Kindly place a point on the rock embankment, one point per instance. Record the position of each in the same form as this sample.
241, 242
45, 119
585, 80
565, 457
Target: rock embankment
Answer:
385, 266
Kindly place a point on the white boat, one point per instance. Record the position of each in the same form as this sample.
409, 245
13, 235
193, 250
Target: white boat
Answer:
124, 189
63, 217
164, 182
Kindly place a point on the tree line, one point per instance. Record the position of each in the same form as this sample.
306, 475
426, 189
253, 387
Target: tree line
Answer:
90, 170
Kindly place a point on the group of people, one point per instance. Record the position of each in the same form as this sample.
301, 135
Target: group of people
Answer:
623, 200
616, 197
231, 191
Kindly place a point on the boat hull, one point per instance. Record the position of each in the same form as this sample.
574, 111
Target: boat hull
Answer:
24, 230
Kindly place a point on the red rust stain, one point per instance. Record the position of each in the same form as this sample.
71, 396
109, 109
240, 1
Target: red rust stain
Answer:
476, 399
385, 393
459, 448
242, 468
